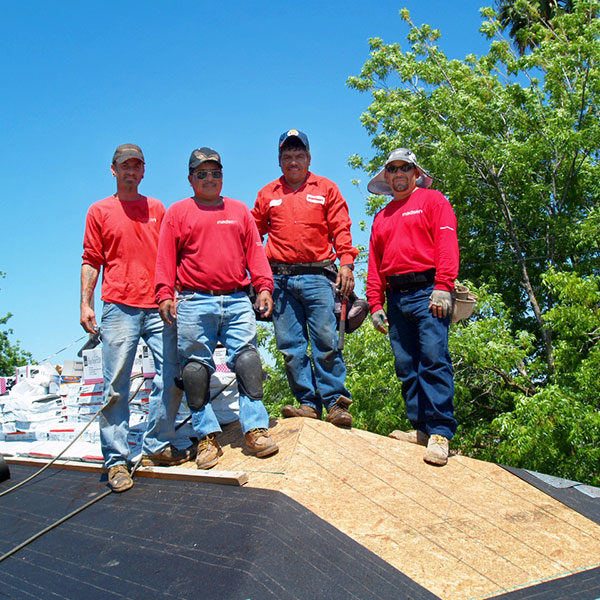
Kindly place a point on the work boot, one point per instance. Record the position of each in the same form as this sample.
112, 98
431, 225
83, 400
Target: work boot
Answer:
304, 410
119, 478
414, 436
169, 456
209, 451
259, 442
338, 414
437, 450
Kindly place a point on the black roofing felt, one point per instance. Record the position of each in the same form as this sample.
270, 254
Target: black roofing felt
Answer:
174, 539
579, 586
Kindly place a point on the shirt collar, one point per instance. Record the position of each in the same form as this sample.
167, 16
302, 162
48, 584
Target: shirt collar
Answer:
310, 180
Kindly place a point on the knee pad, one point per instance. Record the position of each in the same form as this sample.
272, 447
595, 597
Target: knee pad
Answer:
196, 380
249, 373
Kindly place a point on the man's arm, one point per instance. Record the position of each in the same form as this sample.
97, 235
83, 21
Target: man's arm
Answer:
165, 273
89, 277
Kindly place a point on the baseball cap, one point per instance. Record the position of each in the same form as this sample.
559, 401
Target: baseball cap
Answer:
202, 155
293, 133
126, 151
378, 185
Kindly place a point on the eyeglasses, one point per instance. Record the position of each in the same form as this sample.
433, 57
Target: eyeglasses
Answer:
404, 168
216, 174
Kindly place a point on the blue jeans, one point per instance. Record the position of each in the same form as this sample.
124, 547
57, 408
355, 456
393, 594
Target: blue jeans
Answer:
202, 321
121, 329
303, 307
420, 345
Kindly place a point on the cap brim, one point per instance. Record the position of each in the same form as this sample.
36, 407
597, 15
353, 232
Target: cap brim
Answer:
378, 185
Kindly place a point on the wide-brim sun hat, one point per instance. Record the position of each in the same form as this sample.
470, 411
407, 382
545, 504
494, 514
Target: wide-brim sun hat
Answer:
378, 185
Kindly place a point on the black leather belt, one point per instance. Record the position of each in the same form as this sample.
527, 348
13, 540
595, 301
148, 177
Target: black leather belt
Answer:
235, 290
320, 268
405, 282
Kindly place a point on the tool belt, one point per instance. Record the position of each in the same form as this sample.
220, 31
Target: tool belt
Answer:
406, 282
324, 267
244, 288
356, 309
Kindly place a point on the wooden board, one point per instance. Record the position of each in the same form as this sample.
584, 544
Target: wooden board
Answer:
183, 474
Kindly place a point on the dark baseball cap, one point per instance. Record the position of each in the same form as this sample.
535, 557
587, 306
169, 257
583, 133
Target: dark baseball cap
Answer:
126, 151
202, 155
293, 133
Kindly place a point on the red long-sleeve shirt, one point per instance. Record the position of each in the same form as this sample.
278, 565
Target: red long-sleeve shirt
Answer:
121, 236
304, 225
210, 248
409, 236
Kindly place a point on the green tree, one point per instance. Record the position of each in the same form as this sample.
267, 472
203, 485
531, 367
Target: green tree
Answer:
11, 355
527, 20
512, 141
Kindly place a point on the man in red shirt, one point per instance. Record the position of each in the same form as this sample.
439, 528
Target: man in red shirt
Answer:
305, 218
413, 260
208, 244
121, 237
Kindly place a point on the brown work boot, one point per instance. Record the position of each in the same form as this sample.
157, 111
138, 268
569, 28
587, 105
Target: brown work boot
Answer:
338, 414
437, 450
414, 436
169, 456
119, 478
304, 410
259, 442
209, 451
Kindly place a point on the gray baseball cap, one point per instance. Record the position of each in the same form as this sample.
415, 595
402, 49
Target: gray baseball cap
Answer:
127, 151
202, 155
378, 185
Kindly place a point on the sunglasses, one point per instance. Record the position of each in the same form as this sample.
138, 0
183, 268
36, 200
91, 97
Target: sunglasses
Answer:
216, 174
404, 168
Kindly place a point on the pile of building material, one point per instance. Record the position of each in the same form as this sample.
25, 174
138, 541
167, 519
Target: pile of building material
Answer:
49, 406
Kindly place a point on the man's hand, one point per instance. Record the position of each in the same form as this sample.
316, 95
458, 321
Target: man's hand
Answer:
264, 303
344, 282
440, 303
380, 321
167, 310
88, 319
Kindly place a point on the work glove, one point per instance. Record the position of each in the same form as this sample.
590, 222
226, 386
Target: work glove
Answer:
380, 320
440, 303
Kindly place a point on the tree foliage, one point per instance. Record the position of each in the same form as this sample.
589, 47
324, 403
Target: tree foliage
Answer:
512, 140
524, 19
11, 355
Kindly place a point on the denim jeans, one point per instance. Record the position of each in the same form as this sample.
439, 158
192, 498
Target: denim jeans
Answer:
420, 345
303, 310
202, 321
121, 329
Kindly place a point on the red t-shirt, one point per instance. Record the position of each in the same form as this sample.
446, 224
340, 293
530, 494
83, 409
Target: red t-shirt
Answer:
409, 236
304, 225
121, 236
210, 248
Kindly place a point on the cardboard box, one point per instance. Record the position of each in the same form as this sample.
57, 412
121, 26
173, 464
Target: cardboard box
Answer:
72, 368
21, 373
92, 366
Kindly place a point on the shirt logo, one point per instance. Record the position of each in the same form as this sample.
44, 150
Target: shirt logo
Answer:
412, 212
226, 222
275, 202
315, 199
447, 227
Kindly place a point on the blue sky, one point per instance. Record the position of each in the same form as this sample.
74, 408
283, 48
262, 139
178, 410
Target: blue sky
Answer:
79, 78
